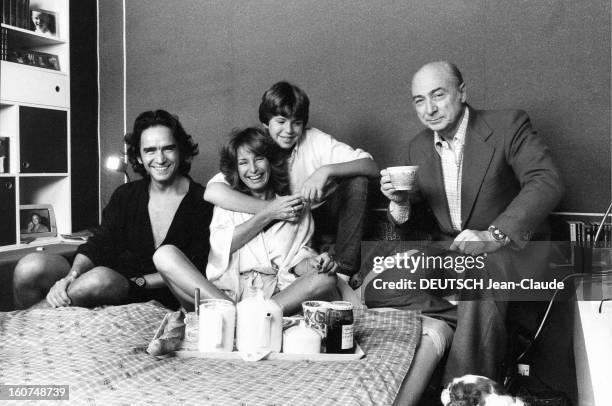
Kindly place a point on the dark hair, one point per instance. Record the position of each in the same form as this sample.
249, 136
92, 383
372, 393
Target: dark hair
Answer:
187, 148
284, 99
259, 143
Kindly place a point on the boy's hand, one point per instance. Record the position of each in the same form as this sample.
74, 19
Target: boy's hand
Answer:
313, 189
287, 208
322, 263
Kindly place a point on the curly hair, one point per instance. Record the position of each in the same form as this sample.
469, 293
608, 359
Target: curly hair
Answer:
187, 148
284, 99
256, 140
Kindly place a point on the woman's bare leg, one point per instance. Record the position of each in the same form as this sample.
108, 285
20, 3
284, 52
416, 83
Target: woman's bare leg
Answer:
182, 277
310, 286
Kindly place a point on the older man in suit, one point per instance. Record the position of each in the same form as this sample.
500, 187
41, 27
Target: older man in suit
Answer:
489, 183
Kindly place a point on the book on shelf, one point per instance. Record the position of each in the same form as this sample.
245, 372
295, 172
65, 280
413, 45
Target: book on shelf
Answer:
4, 154
583, 234
3, 43
13, 13
16, 13
5, 11
34, 58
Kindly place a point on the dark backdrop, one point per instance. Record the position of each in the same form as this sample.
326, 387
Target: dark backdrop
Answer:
84, 114
209, 62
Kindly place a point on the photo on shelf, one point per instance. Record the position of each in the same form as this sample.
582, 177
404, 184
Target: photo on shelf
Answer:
37, 220
34, 58
44, 22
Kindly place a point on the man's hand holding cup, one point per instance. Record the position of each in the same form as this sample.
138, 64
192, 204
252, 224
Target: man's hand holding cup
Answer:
397, 183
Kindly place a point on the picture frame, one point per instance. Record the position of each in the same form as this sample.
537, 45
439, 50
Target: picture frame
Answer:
36, 220
44, 22
34, 58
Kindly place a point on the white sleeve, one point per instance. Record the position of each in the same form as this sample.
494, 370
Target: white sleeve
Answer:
400, 214
221, 233
331, 151
218, 178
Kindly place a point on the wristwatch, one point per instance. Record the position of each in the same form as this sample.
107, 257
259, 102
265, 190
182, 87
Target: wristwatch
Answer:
498, 235
140, 281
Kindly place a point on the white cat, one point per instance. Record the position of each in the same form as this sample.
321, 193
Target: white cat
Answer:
474, 390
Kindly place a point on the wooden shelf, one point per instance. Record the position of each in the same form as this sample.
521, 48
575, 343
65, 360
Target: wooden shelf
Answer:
34, 68
42, 175
35, 117
27, 38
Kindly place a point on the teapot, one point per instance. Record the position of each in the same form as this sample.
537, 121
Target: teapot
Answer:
259, 326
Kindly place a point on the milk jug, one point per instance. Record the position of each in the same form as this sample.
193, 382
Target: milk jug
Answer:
259, 324
216, 325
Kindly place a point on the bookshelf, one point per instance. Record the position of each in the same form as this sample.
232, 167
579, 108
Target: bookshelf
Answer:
34, 115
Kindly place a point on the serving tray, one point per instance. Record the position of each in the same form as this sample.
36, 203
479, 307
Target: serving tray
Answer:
189, 349
273, 356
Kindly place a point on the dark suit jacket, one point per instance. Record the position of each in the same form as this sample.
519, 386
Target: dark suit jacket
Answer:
508, 180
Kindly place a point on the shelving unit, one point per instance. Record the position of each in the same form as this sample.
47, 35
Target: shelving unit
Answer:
35, 119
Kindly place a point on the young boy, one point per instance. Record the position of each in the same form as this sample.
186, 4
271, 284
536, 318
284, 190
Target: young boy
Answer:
328, 174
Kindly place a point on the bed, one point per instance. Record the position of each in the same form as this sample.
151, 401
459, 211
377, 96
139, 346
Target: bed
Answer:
100, 354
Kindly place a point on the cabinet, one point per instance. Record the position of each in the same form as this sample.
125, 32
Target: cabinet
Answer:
7, 208
34, 119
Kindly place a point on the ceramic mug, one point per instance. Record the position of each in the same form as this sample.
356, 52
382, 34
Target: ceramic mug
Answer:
316, 315
217, 322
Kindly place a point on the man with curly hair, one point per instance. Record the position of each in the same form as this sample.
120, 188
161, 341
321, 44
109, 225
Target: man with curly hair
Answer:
115, 265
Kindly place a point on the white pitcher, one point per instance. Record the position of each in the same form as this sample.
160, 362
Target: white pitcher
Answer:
259, 324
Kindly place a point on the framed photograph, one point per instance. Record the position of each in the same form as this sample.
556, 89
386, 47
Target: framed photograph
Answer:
44, 22
37, 220
34, 58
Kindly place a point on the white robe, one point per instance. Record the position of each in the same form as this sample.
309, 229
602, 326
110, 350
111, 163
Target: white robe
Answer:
265, 261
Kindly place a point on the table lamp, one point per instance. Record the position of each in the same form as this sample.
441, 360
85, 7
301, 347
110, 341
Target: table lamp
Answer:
114, 163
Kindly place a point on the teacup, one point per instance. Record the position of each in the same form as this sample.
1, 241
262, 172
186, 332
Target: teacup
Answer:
403, 177
316, 315
217, 322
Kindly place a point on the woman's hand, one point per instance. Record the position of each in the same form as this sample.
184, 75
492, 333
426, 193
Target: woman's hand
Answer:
287, 208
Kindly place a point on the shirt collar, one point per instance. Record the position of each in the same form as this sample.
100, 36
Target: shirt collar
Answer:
459, 137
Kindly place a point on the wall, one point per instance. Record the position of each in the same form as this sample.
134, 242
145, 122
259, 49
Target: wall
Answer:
111, 112
84, 114
209, 62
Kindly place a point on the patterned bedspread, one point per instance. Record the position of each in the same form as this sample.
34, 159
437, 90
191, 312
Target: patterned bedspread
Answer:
101, 355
